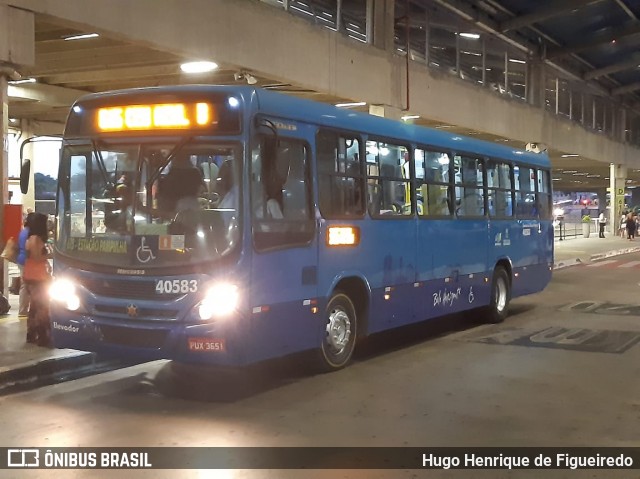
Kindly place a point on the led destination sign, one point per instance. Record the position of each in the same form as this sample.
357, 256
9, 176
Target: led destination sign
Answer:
155, 116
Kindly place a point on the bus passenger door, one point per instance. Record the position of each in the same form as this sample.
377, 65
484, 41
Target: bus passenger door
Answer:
285, 253
366, 203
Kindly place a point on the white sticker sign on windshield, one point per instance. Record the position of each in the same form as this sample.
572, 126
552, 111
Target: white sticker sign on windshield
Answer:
171, 242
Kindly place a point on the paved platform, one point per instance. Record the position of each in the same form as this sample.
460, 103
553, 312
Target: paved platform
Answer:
20, 362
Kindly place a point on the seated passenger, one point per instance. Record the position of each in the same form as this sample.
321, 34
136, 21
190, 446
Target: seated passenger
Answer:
271, 209
120, 218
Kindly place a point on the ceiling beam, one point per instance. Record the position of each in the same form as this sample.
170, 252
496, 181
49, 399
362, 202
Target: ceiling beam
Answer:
626, 89
633, 62
105, 75
606, 36
626, 9
556, 8
48, 94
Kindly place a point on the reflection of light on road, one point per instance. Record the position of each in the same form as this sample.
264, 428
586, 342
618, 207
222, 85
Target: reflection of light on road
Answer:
216, 474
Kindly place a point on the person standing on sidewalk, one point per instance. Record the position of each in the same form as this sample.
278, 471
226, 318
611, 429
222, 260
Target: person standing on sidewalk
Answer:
23, 304
631, 226
37, 276
623, 225
602, 221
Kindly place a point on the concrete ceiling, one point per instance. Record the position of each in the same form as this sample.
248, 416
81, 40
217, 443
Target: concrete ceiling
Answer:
67, 69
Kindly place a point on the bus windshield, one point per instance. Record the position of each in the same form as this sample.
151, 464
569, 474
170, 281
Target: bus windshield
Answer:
149, 204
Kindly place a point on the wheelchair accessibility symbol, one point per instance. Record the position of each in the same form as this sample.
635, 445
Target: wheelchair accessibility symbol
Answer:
144, 253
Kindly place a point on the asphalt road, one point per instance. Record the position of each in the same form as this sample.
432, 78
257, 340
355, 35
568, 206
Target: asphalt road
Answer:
561, 371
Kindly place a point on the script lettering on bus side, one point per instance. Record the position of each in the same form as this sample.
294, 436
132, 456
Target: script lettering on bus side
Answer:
95, 245
446, 298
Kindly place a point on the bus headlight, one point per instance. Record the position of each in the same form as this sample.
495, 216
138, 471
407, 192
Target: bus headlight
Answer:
64, 291
220, 300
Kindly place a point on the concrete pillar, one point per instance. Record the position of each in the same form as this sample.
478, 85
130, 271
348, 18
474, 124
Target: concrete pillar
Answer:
386, 111
17, 47
621, 122
383, 24
617, 183
4, 170
535, 82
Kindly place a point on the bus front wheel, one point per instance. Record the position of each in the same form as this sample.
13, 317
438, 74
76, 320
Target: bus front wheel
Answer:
500, 296
338, 334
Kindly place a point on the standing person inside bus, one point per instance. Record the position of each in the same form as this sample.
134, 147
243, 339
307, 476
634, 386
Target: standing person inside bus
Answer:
183, 185
37, 276
23, 304
602, 221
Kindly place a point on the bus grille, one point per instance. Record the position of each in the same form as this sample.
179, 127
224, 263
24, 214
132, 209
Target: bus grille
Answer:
139, 338
142, 313
120, 288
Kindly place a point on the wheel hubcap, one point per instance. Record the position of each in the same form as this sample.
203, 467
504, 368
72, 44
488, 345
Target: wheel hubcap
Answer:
338, 330
501, 294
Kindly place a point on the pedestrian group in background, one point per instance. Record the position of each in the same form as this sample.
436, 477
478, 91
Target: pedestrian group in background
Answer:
629, 223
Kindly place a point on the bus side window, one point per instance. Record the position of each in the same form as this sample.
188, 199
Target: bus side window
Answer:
389, 190
469, 194
340, 179
525, 186
499, 189
544, 196
280, 195
432, 175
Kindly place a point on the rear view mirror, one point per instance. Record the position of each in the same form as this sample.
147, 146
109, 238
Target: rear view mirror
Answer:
25, 173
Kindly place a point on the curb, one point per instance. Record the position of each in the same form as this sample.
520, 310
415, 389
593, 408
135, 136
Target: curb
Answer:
594, 257
608, 254
567, 263
33, 371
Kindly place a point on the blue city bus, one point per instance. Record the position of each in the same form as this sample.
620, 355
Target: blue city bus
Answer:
228, 225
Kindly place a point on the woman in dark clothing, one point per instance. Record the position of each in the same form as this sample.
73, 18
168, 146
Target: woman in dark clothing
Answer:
36, 276
631, 226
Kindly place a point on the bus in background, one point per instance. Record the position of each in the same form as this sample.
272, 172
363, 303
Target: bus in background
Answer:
229, 225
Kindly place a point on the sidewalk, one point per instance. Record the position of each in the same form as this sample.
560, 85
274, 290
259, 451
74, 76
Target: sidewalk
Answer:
571, 252
21, 362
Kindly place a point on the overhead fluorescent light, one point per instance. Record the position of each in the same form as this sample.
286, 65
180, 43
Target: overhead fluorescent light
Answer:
81, 37
198, 67
571, 155
410, 117
513, 60
472, 36
21, 81
346, 105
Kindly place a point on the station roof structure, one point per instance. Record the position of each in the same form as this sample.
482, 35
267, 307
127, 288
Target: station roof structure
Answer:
594, 43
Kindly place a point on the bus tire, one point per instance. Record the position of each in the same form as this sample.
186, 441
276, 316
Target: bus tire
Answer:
339, 333
498, 308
